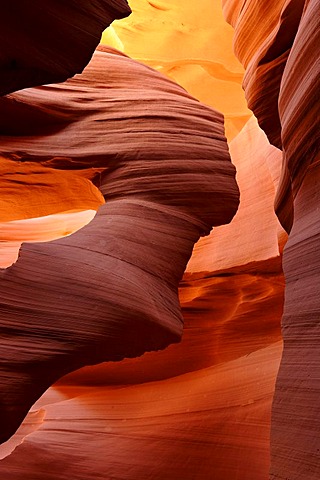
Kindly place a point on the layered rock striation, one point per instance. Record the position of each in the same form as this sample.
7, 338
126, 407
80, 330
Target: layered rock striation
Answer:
281, 56
109, 291
124, 137
181, 412
192, 46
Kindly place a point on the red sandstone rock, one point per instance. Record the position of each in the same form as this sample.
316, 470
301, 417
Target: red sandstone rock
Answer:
228, 356
210, 423
110, 290
192, 45
46, 42
292, 98
264, 33
299, 111
210, 394
295, 446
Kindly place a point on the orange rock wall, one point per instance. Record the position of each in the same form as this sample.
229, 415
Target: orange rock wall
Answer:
183, 411
281, 56
110, 290
192, 45
200, 408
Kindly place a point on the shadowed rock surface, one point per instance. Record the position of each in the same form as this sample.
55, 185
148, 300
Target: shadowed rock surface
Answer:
50, 41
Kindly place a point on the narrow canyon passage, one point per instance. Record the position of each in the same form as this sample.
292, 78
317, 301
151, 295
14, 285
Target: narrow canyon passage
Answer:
126, 141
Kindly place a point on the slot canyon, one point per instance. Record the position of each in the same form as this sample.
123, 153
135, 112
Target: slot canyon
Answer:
160, 240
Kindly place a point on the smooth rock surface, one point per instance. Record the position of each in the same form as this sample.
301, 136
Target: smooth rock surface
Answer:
185, 427
109, 291
184, 410
286, 46
192, 46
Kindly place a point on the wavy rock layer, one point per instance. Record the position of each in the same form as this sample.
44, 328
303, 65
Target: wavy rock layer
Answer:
296, 409
181, 412
264, 33
192, 46
282, 87
41, 204
52, 42
299, 111
110, 290
182, 428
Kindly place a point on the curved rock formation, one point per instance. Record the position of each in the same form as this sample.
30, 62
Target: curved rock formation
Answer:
211, 423
201, 61
200, 408
41, 204
110, 290
46, 43
295, 446
264, 33
183, 411
285, 46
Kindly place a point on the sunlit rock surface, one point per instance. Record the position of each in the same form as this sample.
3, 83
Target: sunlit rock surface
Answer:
200, 408
40, 204
185, 427
109, 291
183, 411
29, 189
46, 42
38, 229
281, 56
190, 43
258, 172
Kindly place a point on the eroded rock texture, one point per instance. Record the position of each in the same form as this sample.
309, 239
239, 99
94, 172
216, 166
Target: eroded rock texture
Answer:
41, 204
182, 412
281, 55
264, 33
190, 44
109, 291
200, 408
296, 410
46, 42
